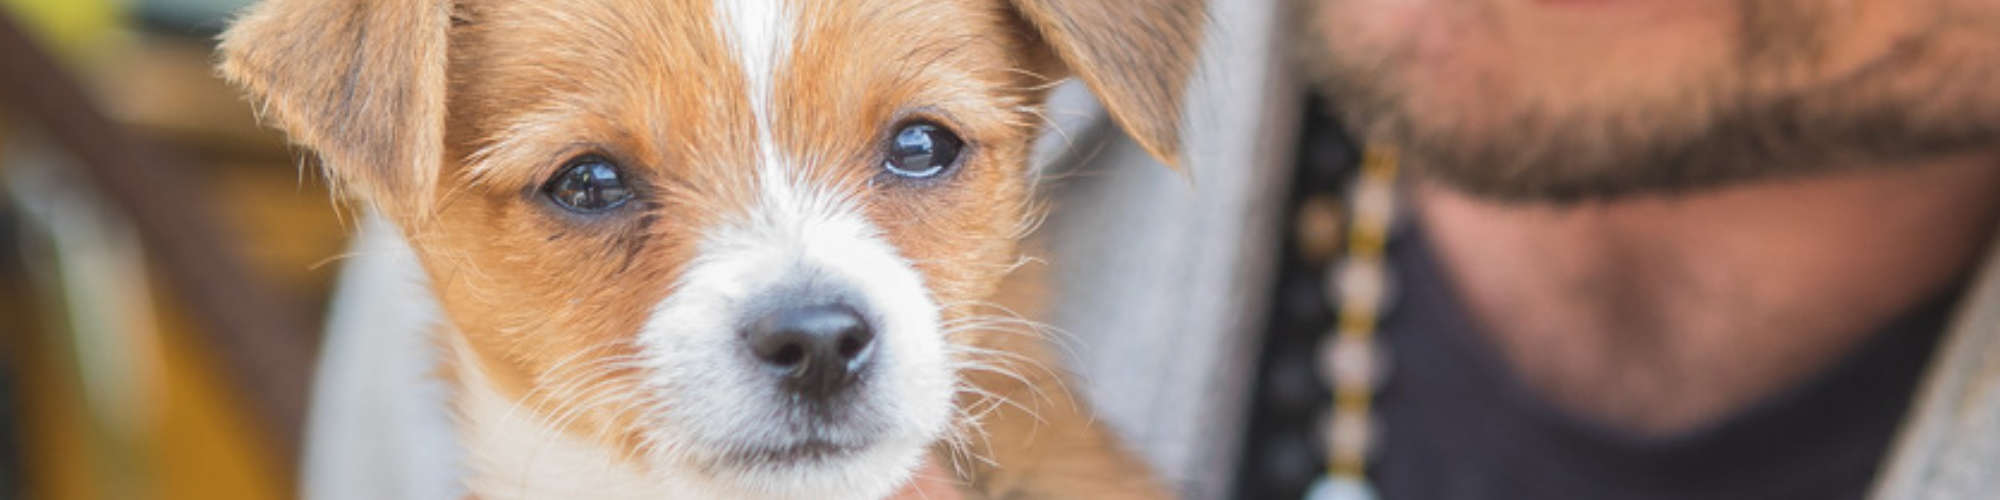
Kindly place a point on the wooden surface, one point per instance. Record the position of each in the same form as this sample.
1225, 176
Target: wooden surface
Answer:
1950, 445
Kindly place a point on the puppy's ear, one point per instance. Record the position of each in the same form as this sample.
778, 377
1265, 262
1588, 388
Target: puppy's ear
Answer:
362, 82
1136, 55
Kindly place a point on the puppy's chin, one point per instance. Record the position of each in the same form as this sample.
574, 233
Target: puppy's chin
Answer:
813, 470
776, 450
782, 450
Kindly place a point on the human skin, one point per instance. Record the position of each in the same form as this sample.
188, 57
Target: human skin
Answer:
1570, 100
1660, 313
1661, 211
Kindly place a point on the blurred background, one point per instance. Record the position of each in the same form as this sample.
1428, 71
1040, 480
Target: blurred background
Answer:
163, 261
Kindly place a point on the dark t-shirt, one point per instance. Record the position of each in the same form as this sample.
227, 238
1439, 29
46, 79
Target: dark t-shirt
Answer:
1457, 425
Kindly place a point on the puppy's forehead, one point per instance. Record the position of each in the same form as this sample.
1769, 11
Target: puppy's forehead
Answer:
707, 83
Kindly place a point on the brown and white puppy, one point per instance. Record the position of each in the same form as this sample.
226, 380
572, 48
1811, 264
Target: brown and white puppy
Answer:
725, 249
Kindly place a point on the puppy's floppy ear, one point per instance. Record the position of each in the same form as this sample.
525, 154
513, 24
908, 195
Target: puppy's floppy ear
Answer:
1136, 55
362, 82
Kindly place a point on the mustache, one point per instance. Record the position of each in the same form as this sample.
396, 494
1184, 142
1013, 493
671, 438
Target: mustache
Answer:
1776, 112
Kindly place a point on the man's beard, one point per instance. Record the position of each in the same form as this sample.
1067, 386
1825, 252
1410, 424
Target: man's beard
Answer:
1931, 96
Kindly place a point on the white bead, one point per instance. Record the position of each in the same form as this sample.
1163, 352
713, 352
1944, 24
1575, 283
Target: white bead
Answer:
1374, 203
1337, 488
1348, 363
1349, 435
1366, 285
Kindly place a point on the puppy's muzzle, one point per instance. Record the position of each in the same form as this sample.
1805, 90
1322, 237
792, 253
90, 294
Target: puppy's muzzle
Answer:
816, 352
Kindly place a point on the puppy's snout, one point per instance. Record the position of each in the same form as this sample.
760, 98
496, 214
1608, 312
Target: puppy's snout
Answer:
820, 350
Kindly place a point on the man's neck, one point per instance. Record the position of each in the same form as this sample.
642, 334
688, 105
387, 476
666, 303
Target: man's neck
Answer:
1659, 314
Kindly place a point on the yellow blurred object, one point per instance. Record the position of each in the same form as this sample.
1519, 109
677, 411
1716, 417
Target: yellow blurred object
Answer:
204, 446
71, 27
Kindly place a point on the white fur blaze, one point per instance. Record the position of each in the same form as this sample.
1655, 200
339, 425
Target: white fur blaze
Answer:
714, 399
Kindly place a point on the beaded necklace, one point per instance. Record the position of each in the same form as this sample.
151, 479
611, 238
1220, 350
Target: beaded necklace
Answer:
1350, 360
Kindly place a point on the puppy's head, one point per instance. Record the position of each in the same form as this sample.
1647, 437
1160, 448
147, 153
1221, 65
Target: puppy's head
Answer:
722, 237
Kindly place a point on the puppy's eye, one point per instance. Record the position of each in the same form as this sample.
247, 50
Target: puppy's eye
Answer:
588, 185
921, 150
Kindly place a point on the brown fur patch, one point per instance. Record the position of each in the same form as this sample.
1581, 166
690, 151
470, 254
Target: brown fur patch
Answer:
1136, 55
359, 81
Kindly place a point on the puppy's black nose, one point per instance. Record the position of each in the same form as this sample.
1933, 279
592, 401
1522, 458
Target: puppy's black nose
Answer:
820, 349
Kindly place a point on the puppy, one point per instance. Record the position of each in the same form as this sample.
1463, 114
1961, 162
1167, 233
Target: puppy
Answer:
725, 249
